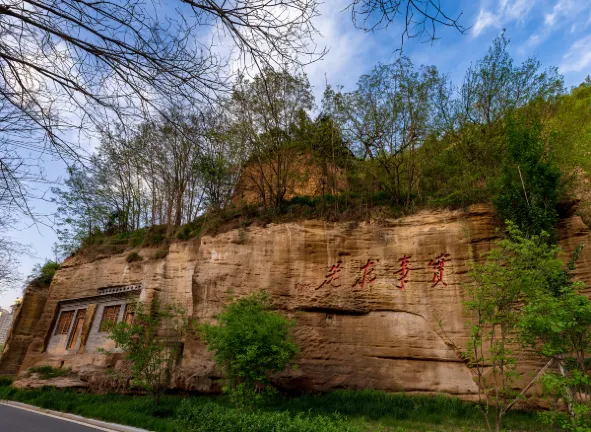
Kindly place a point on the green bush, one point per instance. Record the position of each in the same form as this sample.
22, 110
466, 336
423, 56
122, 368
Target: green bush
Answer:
5, 381
371, 410
135, 238
152, 356
43, 274
190, 230
250, 343
211, 417
155, 235
133, 257
529, 186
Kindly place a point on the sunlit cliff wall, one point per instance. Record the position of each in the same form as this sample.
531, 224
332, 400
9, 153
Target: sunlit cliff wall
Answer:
356, 326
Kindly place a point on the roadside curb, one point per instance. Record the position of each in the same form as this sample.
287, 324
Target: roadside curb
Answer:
98, 424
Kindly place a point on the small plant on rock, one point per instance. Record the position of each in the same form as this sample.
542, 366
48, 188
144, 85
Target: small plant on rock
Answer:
48, 372
152, 343
134, 257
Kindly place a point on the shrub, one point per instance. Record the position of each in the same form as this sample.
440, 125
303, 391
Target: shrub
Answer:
43, 274
135, 238
160, 253
529, 186
211, 417
190, 230
250, 343
155, 235
242, 239
152, 355
5, 381
133, 257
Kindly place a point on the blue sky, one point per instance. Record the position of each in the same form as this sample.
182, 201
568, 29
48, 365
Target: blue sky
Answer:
558, 32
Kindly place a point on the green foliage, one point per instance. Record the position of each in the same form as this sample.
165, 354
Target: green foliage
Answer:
6, 381
250, 342
136, 411
530, 181
368, 410
558, 327
152, 343
517, 273
191, 229
48, 372
212, 417
134, 257
405, 138
242, 238
43, 274
155, 236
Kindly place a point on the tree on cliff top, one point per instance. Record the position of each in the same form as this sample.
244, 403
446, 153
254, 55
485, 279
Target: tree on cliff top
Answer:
68, 67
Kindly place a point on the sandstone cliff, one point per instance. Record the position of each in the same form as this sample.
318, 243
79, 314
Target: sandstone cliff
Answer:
358, 324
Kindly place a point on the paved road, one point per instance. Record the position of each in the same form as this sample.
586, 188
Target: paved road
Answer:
20, 420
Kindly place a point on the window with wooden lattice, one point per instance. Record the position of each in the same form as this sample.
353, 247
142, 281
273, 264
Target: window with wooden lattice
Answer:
63, 324
110, 317
129, 313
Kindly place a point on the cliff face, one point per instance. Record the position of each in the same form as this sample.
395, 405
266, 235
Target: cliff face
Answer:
360, 324
26, 318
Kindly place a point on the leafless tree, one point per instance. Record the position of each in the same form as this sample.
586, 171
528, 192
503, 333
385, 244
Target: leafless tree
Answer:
387, 119
264, 111
66, 66
421, 18
10, 252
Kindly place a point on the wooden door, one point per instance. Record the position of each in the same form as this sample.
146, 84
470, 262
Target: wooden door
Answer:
77, 329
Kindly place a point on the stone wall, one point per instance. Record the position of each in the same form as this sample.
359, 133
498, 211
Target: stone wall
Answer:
354, 331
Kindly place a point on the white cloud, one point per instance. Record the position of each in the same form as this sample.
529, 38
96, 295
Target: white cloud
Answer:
578, 56
484, 20
516, 10
567, 14
349, 49
561, 9
506, 11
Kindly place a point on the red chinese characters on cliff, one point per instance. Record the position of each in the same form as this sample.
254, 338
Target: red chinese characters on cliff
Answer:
367, 277
438, 266
403, 272
332, 276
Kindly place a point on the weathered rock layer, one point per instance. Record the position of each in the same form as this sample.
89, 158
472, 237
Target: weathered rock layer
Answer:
377, 305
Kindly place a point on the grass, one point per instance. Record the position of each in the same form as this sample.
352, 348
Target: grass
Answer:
48, 372
344, 411
345, 206
134, 257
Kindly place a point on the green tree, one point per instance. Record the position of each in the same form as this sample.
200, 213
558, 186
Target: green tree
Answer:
152, 342
387, 119
529, 186
517, 273
470, 146
558, 327
250, 343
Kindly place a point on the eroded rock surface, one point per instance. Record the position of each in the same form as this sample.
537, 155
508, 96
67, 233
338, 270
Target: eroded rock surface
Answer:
354, 331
